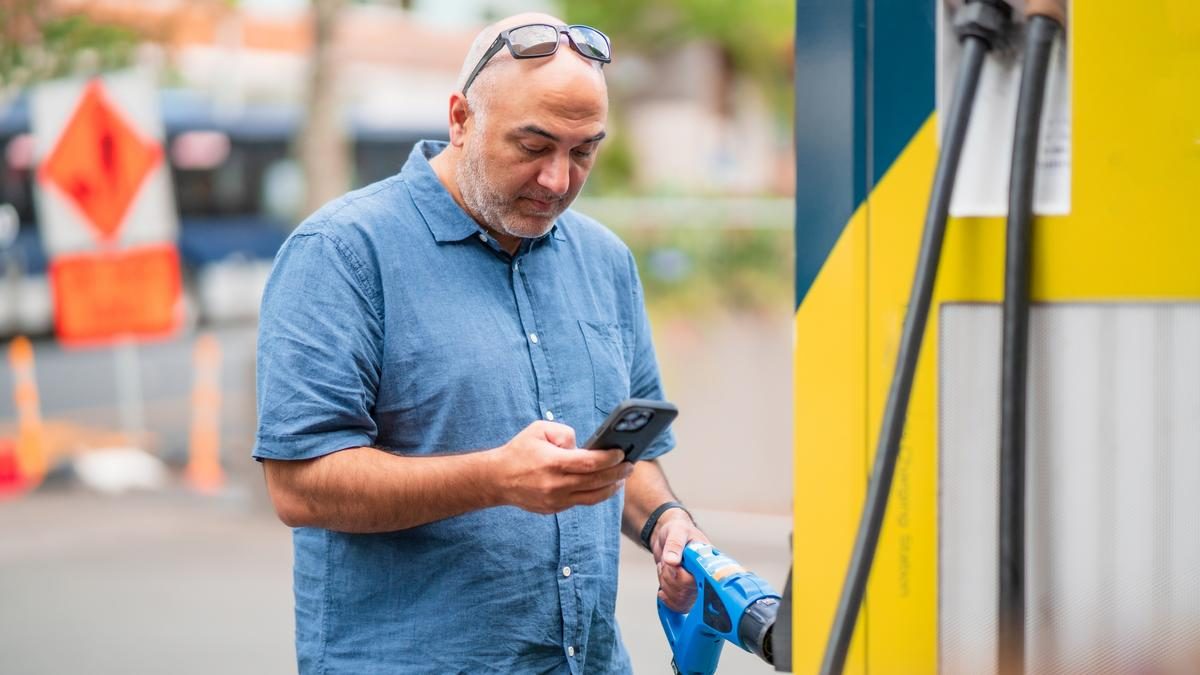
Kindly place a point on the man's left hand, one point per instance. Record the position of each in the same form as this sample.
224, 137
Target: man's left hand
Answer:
677, 588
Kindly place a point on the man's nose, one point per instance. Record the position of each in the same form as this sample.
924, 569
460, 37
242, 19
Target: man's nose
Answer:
556, 174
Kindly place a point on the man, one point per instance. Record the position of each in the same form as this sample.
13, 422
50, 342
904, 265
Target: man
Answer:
431, 348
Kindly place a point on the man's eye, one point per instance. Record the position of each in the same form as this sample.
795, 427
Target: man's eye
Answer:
529, 150
584, 152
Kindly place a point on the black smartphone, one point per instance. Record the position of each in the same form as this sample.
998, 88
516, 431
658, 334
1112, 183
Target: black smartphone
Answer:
633, 426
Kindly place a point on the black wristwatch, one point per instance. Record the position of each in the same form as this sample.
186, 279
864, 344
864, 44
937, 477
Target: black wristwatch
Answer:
648, 528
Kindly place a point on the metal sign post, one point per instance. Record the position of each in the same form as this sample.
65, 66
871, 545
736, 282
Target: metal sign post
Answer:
10, 225
127, 367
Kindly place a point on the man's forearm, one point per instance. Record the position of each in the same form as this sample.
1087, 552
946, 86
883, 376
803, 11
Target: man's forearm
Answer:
369, 490
645, 490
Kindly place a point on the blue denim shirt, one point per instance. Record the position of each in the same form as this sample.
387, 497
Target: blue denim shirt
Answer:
391, 320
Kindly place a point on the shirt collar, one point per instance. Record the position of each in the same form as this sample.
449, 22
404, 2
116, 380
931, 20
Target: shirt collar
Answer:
447, 221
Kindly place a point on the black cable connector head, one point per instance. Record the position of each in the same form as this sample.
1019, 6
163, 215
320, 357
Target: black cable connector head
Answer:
988, 20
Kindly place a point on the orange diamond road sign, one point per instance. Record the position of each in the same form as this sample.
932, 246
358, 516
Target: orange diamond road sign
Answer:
105, 211
100, 162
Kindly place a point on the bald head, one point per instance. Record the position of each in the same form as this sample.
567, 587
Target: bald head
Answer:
522, 147
565, 66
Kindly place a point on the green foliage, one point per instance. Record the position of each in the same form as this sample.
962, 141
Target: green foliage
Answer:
699, 271
37, 44
70, 35
613, 170
756, 35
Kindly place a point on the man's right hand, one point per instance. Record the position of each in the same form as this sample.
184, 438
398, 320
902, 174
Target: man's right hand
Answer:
541, 470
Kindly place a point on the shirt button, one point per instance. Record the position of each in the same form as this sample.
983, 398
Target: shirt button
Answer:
516, 266
482, 237
533, 338
550, 415
571, 651
567, 571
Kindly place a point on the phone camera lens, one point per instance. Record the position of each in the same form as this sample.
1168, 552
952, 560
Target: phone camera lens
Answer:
633, 420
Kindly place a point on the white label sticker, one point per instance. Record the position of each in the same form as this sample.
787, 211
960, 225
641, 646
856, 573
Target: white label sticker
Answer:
983, 176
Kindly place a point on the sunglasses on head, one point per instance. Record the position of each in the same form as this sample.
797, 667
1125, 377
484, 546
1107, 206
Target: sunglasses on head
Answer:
541, 39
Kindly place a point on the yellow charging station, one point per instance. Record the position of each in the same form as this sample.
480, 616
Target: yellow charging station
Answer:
867, 141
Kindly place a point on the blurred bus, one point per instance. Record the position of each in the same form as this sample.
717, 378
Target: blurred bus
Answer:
237, 190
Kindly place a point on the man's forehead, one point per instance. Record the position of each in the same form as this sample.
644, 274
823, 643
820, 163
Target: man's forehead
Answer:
571, 109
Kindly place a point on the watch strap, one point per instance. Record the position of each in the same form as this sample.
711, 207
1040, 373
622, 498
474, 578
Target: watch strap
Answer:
648, 528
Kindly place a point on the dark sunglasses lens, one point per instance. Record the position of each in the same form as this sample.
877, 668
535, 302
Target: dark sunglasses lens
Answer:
591, 42
536, 40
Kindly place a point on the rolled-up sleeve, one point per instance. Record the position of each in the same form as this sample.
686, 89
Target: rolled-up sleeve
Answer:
319, 351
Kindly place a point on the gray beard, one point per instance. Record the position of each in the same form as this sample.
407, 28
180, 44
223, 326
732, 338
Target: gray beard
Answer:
490, 205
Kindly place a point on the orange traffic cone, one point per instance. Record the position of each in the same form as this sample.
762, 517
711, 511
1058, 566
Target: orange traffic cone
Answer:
204, 473
30, 451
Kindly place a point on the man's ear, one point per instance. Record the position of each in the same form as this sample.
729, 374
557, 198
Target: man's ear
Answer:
460, 115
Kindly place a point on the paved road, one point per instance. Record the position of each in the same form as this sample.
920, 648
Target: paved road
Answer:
171, 583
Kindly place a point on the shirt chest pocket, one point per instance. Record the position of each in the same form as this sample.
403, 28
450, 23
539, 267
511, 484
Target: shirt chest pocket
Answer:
610, 373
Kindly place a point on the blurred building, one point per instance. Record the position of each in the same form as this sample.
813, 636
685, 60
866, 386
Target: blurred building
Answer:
692, 123
695, 125
236, 78
395, 65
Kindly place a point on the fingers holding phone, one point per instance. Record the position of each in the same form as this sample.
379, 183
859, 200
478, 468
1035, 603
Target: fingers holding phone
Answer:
541, 470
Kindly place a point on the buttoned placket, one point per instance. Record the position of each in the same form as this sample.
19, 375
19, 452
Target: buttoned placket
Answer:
569, 594
543, 377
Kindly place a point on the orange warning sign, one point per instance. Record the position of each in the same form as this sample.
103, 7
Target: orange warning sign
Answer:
100, 162
134, 292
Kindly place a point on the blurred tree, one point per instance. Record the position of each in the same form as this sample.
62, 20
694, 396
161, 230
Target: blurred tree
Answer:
755, 36
38, 43
323, 146
612, 175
